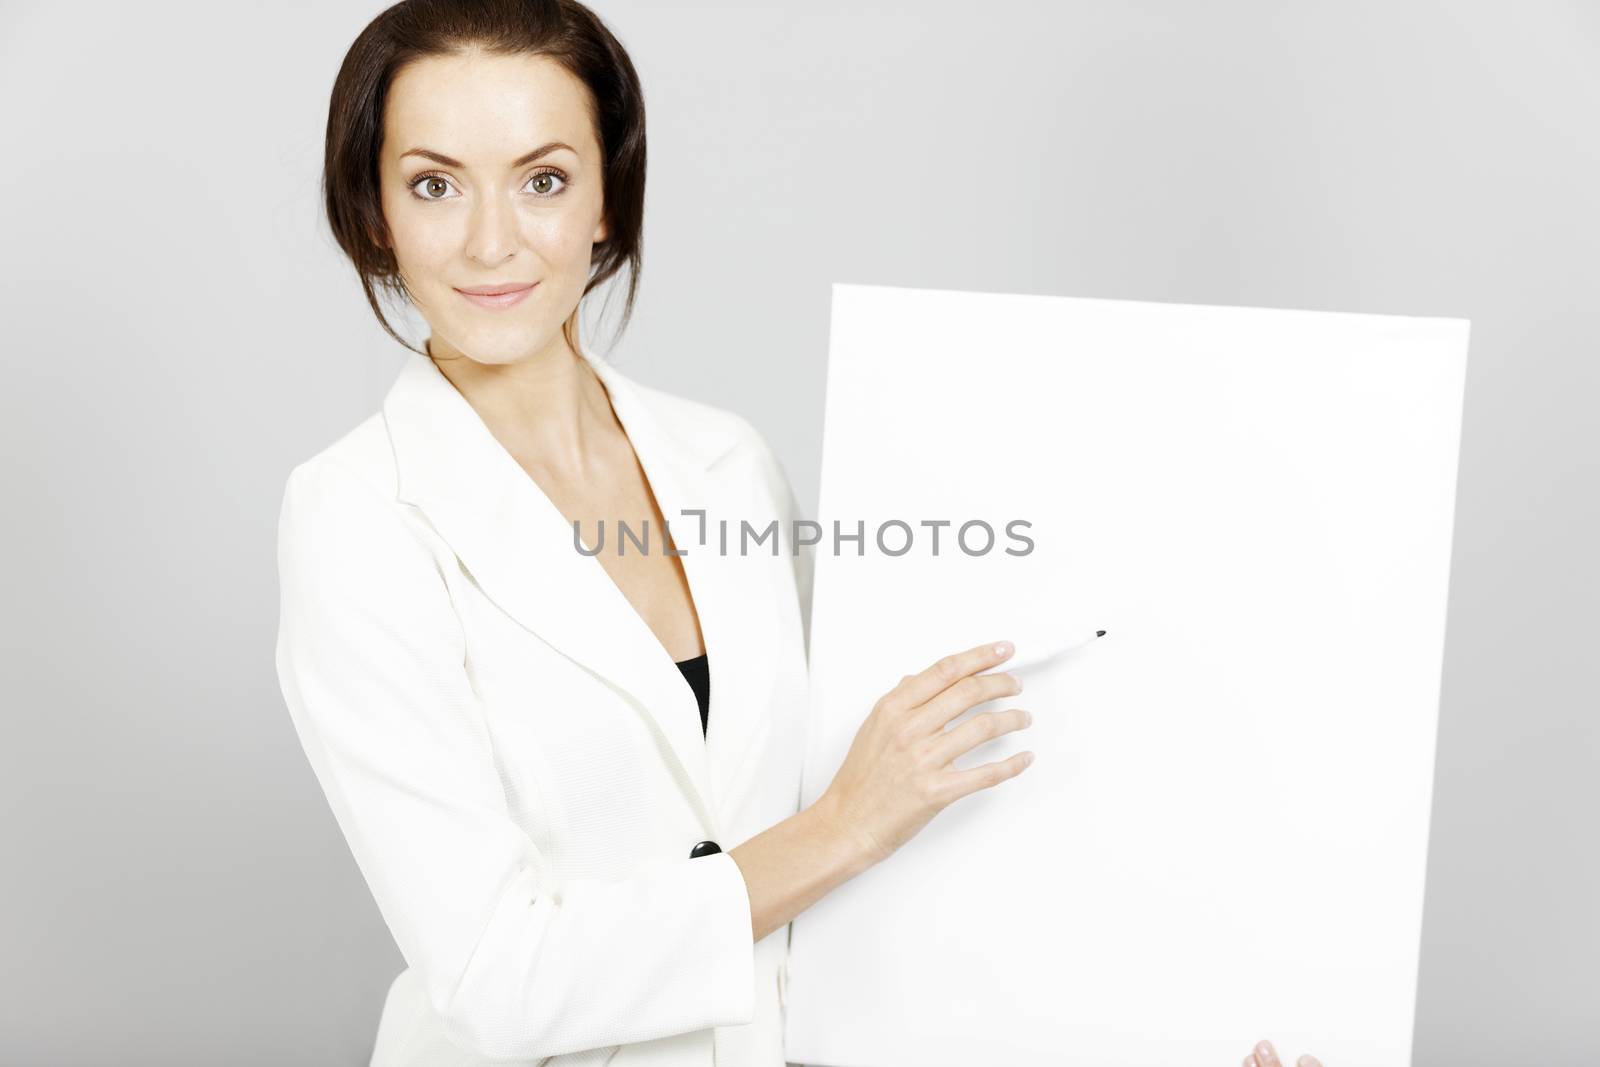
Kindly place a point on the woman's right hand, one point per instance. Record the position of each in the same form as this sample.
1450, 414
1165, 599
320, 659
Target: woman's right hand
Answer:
897, 775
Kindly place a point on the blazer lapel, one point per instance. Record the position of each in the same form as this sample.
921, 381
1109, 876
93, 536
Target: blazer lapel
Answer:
519, 549
732, 592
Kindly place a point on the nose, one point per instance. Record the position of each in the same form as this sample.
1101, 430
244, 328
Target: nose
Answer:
493, 235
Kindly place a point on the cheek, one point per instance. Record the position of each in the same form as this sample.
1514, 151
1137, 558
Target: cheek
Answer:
427, 242
562, 238
423, 240
419, 238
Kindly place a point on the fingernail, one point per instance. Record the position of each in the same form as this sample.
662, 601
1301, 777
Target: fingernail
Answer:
1003, 648
1264, 1049
1308, 1061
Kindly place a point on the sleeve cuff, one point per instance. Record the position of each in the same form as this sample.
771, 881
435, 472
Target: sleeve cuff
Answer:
729, 940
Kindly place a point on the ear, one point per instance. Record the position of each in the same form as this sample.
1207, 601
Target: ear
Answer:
601, 231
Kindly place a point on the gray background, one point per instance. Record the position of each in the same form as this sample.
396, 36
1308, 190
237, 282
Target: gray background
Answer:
180, 331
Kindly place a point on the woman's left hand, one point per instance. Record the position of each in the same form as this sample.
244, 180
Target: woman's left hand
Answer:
1264, 1055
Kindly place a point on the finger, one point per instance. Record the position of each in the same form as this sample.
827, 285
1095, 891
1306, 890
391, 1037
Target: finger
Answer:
957, 784
1250, 1061
1266, 1055
917, 689
965, 694
974, 732
1307, 1061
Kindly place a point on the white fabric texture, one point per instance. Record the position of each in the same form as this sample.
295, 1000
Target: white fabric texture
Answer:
515, 761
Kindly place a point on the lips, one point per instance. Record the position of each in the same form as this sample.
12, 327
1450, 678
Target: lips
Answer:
496, 290
494, 297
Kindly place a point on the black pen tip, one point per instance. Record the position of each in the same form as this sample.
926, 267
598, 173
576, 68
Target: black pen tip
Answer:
1099, 633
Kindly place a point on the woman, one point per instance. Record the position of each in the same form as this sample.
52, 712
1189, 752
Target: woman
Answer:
502, 717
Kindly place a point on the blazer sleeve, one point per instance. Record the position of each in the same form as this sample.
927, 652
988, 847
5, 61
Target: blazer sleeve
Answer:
370, 656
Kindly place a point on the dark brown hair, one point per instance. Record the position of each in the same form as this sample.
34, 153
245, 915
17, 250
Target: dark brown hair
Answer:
564, 30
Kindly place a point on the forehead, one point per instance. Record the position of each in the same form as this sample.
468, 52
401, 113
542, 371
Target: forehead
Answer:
485, 109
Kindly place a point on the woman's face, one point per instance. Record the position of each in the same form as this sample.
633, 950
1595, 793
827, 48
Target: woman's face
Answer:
466, 207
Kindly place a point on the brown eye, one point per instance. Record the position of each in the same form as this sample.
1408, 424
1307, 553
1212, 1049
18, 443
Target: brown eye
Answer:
424, 186
541, 183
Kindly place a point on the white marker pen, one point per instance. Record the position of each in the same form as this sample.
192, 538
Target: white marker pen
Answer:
1028, 662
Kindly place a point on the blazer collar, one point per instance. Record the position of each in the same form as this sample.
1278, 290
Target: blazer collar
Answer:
518, 548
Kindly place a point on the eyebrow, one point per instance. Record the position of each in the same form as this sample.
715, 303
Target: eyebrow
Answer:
445, 161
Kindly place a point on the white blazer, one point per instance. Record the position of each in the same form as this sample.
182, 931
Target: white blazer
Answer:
513, 757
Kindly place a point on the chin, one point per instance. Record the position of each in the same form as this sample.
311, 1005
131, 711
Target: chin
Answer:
499, 345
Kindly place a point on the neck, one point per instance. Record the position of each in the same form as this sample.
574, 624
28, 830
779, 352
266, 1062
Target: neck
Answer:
550, 410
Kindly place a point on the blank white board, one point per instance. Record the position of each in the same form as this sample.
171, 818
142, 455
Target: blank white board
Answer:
1224, 834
